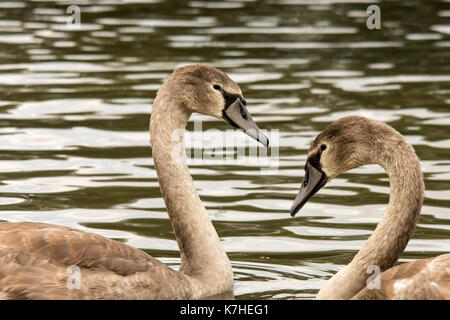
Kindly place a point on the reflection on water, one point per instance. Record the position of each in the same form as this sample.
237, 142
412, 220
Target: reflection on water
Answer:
74, 109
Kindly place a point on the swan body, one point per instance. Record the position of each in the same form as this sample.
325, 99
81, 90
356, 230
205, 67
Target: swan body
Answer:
35, 261
419, 280
38, 260
352, 142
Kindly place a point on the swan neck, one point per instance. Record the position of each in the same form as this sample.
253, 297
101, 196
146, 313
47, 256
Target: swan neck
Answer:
202, 255
389, 239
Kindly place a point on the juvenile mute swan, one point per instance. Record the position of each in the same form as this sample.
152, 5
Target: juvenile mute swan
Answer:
352, 142
38, 261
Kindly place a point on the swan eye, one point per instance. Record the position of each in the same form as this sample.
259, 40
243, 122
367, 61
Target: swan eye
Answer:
323, 147
216, 86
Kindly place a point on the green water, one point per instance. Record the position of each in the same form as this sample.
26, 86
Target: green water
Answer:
75, 104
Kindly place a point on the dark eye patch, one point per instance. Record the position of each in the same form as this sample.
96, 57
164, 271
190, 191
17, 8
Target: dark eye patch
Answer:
230, 98
314, 160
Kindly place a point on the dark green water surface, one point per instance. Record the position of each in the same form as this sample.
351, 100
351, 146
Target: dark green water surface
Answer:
75, 105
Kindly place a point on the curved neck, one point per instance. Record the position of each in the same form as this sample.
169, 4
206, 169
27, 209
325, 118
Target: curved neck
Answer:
387, 242
203, 259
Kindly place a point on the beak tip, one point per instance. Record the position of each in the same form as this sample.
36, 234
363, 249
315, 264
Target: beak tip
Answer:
293, 210
263, 140
234, 115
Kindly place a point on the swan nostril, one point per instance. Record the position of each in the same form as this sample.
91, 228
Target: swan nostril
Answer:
244, 114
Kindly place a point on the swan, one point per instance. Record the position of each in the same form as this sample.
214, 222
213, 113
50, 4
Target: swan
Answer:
354, 141
39, 261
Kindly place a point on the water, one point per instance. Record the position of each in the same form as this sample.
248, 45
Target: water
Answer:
74, 107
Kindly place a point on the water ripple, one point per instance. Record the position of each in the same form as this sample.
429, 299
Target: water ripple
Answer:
74, 112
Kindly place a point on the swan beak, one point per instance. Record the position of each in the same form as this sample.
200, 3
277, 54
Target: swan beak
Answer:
238, 116
313, 181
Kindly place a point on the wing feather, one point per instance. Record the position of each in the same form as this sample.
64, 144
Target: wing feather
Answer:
35, 257
427, 279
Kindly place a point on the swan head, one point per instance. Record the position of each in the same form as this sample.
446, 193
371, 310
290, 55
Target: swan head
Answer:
206, 90
344, 145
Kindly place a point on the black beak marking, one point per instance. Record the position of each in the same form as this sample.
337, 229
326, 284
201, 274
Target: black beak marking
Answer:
314, 180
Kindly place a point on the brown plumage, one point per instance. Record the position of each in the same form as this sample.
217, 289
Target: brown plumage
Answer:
426, 279
355, 141
39, 261
35, 260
